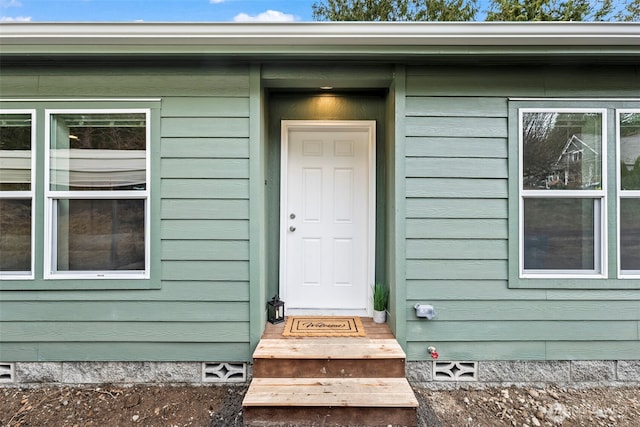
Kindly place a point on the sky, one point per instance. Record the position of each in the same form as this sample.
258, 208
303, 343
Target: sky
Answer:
155, 10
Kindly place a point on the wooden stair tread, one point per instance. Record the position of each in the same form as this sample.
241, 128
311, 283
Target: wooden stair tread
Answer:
329, 348
330, 392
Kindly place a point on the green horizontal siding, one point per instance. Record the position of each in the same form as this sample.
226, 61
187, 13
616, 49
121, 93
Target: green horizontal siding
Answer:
457, 228
205, 205
118, 351
163, 85
201, 310
457, 223
457, 208
533, 310
457, 147
447, 106
525, 330
205, 209
527, 350
202, 250
226, 188
205, 270
179, 290
483, 82
604, 349
205, 168
190, 106
470, 349
605, 81
18, 85
485, 127
74, 84
456, 249
220, 127
195, 229
126, 311
528, 80
456, 269
109, 331
456, 168
456, 213
456, 188
196, 148
596, 295
455, 290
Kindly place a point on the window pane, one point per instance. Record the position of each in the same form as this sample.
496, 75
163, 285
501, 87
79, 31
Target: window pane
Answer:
562, 151
98, 152
15, 238
559, 234
100, 235
630, 151
630, 234
15, 152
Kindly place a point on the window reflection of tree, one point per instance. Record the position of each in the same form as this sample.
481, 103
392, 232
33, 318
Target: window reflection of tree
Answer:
546, 135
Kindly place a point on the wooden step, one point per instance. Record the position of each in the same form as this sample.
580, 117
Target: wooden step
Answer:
328, 358
330, 381
309, 392
330, 401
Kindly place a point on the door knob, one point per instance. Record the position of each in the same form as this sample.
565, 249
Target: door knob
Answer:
292, 228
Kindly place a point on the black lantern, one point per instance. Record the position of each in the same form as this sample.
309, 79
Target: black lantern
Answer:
275, 310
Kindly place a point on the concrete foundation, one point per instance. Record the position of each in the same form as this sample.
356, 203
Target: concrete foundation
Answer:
71, 373
489, 373
576, 373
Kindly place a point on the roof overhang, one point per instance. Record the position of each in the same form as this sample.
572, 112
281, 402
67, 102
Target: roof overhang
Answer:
372, 39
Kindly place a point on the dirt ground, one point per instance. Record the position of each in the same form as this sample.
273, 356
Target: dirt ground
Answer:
221, 406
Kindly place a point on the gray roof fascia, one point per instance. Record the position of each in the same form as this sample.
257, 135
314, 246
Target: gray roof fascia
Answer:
17, 38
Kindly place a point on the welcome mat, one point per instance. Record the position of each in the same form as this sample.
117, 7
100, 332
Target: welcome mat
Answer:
323, 326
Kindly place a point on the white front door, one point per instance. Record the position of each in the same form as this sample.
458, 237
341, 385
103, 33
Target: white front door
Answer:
327, 216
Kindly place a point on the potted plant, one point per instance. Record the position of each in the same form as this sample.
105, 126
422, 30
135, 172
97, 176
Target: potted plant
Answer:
380, 300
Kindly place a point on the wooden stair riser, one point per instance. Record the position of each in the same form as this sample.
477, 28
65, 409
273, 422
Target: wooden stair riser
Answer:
328, 368
316, 417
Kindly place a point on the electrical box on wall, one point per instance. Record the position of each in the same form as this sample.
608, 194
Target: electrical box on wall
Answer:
425, 311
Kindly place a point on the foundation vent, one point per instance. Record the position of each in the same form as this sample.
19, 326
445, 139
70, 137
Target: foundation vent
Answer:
7, 373
455, 371
224, 372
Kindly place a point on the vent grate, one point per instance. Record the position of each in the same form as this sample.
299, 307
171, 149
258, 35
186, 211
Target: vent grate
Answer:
455, 371
7, 373
224, 372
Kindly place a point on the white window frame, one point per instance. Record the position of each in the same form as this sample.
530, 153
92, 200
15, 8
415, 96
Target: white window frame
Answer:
599, 196
50, 229
25, 195
622, 194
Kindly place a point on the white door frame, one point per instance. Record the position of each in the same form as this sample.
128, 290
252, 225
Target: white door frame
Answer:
370, 127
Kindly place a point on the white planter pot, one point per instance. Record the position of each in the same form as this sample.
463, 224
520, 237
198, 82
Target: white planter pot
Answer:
379, 316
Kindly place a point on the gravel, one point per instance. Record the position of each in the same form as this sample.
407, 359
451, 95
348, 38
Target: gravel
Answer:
221, 406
